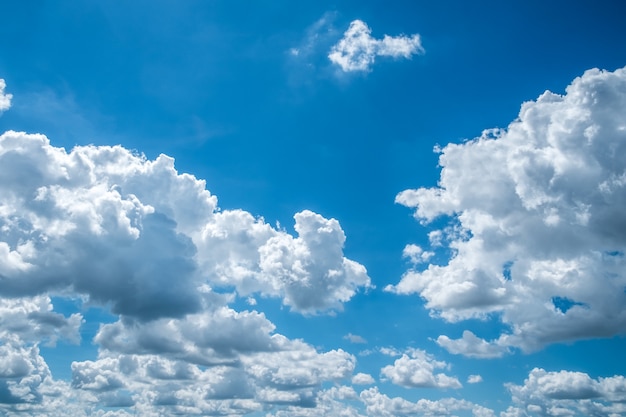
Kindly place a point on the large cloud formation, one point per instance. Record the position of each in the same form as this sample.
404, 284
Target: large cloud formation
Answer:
537, 230
107, 227
109, 224
357, 50
568, 393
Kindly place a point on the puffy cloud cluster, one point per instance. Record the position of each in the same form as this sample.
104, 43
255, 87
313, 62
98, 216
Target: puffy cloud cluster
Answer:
109, 224
113, 229
214, 362
362, 379
5, 98
32, 320
380, 405
416, 369
333, 402
569, 393
537, 230
357, 50
155, 374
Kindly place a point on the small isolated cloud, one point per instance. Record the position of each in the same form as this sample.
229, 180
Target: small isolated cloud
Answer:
362, 379
416, 369
536, 223
474, 379
5, 98
472, 346
570, 393
353, 338
357, 50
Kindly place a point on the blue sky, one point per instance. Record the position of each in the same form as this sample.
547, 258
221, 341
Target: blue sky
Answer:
317, 208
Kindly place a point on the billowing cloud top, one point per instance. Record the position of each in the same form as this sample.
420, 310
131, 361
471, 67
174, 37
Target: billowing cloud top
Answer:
109, 224
569, 393
357, 50
5, 98
538, 227
110, 227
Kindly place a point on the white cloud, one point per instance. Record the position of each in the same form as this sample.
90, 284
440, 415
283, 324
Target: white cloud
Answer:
215, 361
537, 231
380, 405
570, 393
252, 378
82, 221
27, 386
5, 98
332, 402
474, 379
416, 254
472, 346
32, 320
416, 369
362, 379
357, 50
355, 338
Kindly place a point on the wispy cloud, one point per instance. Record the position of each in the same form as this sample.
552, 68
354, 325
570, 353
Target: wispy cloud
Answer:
354, 338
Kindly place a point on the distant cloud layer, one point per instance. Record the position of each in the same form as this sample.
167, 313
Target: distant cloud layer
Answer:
5, 98
537, 227
357, 50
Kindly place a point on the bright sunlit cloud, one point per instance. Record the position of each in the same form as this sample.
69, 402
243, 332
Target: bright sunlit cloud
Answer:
5, 98
538, 208
357, 50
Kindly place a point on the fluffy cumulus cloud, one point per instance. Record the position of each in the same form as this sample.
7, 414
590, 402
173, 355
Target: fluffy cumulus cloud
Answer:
216, 361
569, 393
82, 220
472, 346
537, 230
252, 376
5, 98
103, 226
380, 405
337, 401
362, 379
416, 369
357, 50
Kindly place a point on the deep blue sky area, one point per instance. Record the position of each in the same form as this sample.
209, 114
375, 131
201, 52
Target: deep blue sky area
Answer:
247, 96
